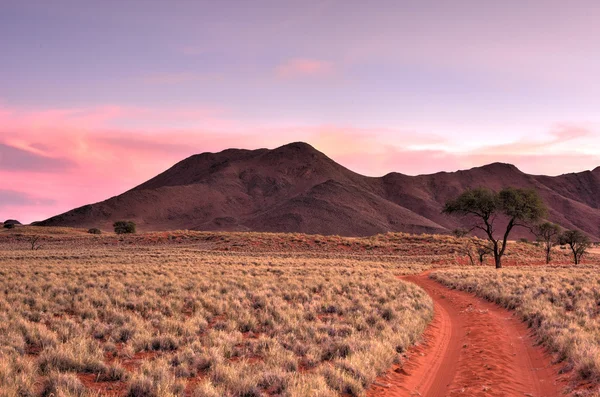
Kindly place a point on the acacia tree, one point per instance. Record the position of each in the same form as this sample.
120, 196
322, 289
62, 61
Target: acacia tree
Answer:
519, 207
548, 234
577, 241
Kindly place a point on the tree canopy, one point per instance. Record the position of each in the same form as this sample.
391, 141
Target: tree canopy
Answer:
577, 241
518, 207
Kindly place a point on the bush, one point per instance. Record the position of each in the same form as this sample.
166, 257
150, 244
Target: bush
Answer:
124, 227
9, 225
63, 385
94, 230
12, 222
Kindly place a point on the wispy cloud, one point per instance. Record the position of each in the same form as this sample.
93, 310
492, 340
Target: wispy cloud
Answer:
15, 159
557, 138
15, 198
303, 68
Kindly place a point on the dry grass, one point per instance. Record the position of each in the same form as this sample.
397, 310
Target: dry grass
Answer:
81, 319
562, 305
212, 314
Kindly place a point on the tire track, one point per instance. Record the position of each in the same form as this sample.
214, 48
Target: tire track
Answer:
471, 348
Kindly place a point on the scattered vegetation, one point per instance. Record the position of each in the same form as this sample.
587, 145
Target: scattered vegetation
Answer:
520, 207
94, 230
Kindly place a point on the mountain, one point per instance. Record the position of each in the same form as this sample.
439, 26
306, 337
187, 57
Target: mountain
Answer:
296, 188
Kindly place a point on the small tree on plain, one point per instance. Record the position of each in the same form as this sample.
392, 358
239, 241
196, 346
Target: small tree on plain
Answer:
482, 252
467, 248
33, 240
124, 227
94, 230
548, 234
520, 207
577, 241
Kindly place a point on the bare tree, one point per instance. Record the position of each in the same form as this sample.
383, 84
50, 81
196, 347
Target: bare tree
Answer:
578, 242
473, 247
467, 247
548, 234
482, 252
468, 250
33, 240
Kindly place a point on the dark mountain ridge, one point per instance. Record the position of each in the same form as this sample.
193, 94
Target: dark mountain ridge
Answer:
295, 188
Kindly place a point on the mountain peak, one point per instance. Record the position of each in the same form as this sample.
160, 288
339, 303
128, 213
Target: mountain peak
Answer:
296, 147
296, 151
498, 167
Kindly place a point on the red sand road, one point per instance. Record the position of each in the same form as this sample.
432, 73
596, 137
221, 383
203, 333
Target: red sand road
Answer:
471, 348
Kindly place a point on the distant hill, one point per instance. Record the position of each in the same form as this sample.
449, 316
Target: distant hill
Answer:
296, 188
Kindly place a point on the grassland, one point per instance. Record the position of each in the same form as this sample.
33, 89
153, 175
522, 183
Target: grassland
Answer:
215, 314
562, 305
80, 317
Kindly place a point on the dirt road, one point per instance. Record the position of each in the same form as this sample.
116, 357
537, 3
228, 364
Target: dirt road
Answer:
471, 348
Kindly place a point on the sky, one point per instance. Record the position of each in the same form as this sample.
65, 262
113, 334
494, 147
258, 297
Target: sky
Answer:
99, 96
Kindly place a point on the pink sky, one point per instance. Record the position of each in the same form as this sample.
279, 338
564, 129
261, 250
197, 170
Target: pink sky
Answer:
97, 98
53, 160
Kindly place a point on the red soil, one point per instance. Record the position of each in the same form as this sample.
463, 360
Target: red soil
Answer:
472, 348
90, 381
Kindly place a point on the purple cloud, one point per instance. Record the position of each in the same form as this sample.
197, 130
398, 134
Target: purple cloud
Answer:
15, 159
14, 198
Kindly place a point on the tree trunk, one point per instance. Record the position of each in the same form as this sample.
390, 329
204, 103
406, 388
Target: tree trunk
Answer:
548, 255
471, 260
575, 256
498, 260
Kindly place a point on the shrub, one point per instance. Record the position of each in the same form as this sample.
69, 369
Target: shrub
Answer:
10, 223
63, 385
124, 227
94, 230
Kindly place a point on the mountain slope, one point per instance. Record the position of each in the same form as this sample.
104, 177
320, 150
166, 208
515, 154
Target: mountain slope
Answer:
296, 188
